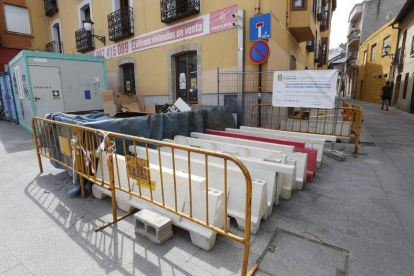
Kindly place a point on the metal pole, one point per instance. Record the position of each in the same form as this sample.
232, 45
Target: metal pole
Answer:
259, 95
218, 86
339, 102
240, 68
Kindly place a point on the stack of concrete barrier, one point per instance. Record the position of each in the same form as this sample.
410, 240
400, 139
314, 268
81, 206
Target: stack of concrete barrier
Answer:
279, 163
200, 236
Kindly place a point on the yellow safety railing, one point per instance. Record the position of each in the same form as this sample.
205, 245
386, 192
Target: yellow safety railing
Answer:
83, 149
343, 121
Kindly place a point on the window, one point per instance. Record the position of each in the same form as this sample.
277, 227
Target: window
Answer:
365, 57
18, 82
186, 77
129, 78
17, 19
326, 17
386, 43
407, 76
324, 50
373, 52
412, 47
172, 10
315, 9
85, 11
292, 63
298, 5
121, 20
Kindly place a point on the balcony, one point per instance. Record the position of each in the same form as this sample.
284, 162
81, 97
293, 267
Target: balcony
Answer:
310, 46
173, 10
351, 63
84, 40
121, 24
398, 59
54, 47
356, 13
302, 24
353, 38
324, 22
50, 7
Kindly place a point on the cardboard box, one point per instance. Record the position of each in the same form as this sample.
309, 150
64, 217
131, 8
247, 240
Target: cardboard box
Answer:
117, 103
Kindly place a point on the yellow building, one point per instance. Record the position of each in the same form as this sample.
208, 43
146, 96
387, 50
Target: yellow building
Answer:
172, 48
22, 27
374, 64
403, 95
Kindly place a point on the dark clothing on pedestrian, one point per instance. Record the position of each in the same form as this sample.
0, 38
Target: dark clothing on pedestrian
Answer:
386, 92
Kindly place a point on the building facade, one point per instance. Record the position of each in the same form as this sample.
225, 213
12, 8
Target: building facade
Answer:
365, 19
353, 42
22, 27
403, 65
374, 64
172, 48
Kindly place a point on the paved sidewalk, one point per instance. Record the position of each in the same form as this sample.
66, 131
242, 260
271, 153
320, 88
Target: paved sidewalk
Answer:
356, 218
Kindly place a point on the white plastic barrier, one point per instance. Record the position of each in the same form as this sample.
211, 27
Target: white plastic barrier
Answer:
200, 236
329, 138
267, 171
301, 158
289, 181
236, 188
317, 144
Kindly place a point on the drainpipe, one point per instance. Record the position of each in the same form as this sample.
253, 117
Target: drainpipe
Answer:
392, 68
240, 65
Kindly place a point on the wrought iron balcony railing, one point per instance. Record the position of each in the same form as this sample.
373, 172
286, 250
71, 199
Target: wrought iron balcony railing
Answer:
50, 7
310, 45
84, 40
351, 62
172, 10
54, 47
121, 24
353, 35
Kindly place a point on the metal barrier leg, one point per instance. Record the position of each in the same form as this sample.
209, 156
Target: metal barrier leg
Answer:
79, 164
39, 160
110, 164
356, 146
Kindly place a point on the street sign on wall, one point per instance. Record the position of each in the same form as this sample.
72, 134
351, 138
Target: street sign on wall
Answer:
260, 27
259, 51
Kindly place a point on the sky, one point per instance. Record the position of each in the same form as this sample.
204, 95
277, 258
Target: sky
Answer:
339, 29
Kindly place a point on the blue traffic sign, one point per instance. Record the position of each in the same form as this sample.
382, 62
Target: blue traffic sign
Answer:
259, 52
260, 27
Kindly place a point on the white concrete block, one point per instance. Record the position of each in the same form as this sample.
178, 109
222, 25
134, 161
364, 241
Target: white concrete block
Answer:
153, 226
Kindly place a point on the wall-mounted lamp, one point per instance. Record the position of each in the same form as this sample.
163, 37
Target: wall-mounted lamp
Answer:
387, 50
88, 26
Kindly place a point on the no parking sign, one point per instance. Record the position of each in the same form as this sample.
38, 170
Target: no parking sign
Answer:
259, 52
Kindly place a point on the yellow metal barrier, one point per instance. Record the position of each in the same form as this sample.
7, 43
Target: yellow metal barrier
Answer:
344, 121
81, 149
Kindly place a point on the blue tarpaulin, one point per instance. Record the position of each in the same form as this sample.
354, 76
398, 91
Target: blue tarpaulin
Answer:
155, 126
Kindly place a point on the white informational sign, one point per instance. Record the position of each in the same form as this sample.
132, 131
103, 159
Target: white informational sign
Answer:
183, 84
305, 88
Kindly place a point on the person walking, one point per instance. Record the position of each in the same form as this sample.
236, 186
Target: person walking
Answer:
386, 94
